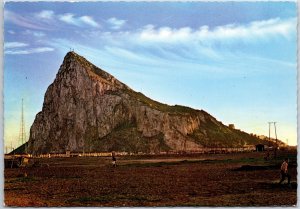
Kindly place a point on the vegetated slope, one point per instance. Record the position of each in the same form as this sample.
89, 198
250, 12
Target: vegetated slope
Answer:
20, 150
87, 109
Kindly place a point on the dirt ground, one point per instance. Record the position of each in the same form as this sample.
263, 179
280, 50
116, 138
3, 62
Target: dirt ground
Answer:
243, 179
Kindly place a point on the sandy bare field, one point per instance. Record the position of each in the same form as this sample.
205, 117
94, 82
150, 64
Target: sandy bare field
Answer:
243, 179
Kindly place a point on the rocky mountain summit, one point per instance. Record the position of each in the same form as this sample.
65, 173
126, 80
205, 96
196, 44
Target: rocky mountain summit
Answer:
87, 109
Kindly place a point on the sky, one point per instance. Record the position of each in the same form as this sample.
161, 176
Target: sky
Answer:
235, 60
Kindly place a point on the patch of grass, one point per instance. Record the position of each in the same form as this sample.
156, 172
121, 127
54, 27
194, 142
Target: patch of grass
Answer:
90, 199
158, 164
22, 179
161, 164
254, 168
13, 189
109, 198
209, 161
70, 177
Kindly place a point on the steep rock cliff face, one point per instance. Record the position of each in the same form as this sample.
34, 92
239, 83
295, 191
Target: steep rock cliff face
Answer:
87, 109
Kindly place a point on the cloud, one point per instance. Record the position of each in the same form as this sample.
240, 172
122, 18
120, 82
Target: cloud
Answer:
9, 45
11, 32
114, 56
216, 46
202, 49
115, 23
37, 34
257, 30
48, 20
45, 14
15, 48
89, 21
70, 18
202, 43
29, 51
23, 21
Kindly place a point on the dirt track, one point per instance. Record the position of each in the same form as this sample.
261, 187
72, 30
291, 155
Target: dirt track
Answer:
203, 180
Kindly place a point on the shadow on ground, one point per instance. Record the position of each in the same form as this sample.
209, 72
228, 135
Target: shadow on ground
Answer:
276, 185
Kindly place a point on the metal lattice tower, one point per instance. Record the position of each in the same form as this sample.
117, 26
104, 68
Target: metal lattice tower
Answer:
22, 133
276, 145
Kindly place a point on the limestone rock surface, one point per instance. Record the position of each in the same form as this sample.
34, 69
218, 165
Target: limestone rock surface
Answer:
87, 109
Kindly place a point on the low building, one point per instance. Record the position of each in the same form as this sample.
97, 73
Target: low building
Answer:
260, 147
231, 126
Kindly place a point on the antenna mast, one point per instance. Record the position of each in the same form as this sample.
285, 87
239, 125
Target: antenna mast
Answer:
22, 133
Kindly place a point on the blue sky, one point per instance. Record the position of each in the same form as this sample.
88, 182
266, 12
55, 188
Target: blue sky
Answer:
235, 60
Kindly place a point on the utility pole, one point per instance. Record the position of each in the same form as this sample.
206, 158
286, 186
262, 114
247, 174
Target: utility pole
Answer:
275, 150
83, 147
269, 133
276, 145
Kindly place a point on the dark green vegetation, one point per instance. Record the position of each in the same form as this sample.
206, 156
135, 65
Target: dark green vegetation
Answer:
172, 180
21, 149
126, 138
212, 135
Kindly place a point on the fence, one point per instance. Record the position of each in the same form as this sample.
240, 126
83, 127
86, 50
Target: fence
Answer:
216, 150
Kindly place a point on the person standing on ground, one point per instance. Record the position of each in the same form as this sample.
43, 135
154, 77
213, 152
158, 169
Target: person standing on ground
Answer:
114, 160
284, 171
267, 157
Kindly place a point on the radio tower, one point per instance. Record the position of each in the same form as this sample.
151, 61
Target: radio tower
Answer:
22, 133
